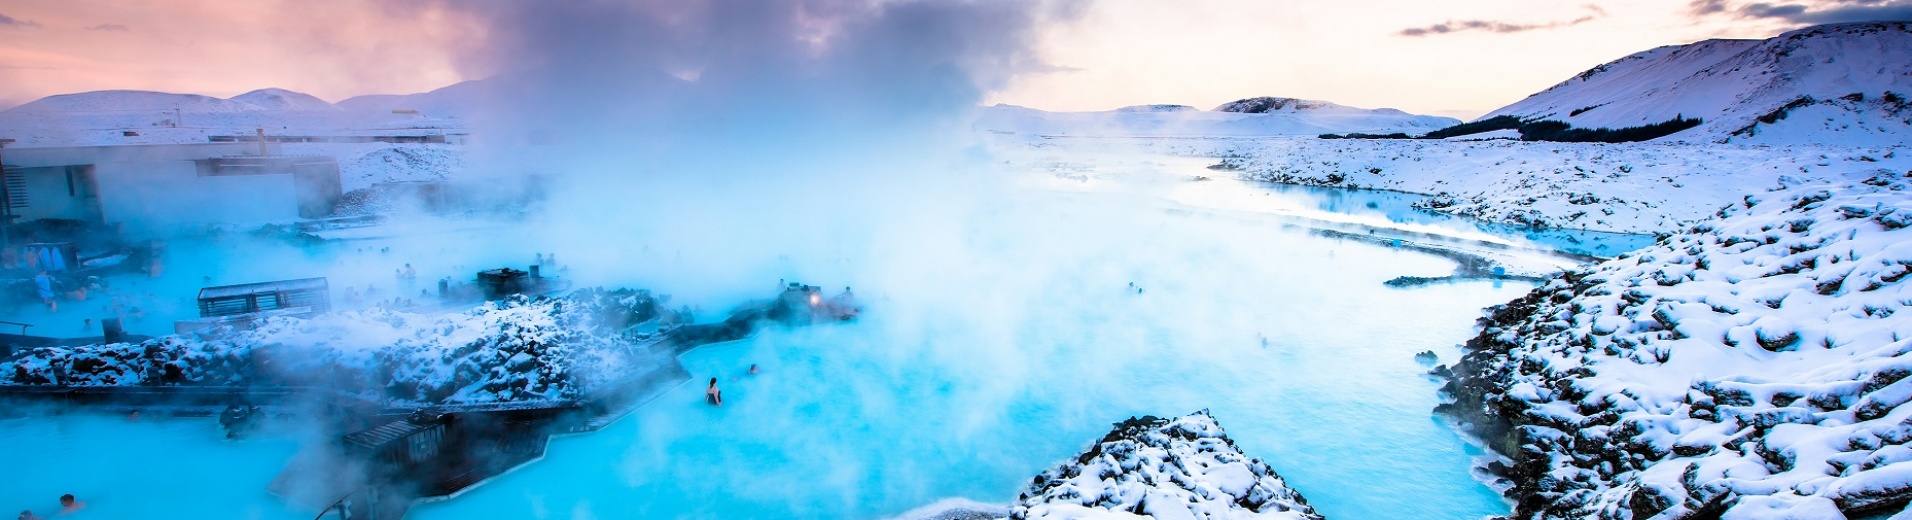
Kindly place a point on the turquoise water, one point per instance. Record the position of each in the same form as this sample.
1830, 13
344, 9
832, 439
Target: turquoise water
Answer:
151, 468
972, 389
993, 347
1399, 208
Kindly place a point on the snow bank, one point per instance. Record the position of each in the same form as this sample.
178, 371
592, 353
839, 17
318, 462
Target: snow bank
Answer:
513, 350
1642, 188
1162, 468
1754, 365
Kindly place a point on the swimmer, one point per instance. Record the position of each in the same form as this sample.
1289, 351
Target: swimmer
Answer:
712, 395
133, 417
69, 506
28, 515
753, 368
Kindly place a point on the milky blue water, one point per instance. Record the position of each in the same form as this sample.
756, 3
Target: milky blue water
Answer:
990, 352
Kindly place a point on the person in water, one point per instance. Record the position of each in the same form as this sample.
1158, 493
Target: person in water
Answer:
68, 505
44, 284
28, 515
753, 368
712, 395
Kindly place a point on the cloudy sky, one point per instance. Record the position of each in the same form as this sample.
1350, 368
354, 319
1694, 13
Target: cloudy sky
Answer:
1459, 58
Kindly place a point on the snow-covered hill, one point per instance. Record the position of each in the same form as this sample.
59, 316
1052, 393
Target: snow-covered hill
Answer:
1248, 117
461, 99
1753, 366
282, 99
1150, 467
132, 100
1843, 83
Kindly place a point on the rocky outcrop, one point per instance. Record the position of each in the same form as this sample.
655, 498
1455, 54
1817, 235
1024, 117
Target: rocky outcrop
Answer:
1162, 468
518, 349
1754, 364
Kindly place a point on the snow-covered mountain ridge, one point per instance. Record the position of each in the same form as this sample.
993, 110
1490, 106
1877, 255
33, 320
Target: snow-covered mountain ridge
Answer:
1843, 83
129, 100
1752, 366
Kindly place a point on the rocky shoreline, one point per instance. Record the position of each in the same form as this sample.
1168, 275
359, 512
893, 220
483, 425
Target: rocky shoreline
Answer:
1753, 365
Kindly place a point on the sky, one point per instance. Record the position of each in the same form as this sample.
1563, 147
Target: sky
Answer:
1457, 58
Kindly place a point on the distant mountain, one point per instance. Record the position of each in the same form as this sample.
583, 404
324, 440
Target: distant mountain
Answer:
459, 99
1845, 83
282, 99
129, 100
1261, 116
1265, 104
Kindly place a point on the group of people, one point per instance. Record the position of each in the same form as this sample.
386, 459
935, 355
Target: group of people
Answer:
714, 396
68, 505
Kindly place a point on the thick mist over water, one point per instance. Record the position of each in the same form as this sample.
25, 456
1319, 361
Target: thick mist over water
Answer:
709, 149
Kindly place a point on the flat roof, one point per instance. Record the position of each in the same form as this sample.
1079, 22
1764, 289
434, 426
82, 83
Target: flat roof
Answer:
262, 287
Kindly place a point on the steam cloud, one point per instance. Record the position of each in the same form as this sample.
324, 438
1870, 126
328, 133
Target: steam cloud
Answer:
720, 135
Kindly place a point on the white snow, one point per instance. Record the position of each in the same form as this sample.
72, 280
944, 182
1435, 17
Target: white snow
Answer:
1761, 371
1163, 468
514, 350
1630, 188
1731, 84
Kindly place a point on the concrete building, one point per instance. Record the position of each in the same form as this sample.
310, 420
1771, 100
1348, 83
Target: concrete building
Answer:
166, 189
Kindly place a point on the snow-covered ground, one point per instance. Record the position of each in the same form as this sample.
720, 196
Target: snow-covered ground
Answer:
1753, 365
1631, 188
1844, 83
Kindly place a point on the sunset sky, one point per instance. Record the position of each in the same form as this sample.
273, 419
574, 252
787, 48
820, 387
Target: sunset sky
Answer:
1444, 57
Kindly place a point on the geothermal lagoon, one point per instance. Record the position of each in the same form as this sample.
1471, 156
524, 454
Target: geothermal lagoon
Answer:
981, 360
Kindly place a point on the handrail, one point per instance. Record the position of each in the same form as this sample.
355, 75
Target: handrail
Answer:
23, 326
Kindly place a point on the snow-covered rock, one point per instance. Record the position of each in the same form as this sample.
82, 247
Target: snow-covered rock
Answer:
547, 349
1843, 83
1148, 467
1753, 366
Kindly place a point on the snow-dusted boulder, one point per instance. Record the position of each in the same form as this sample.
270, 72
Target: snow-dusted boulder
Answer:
1753, 366
1162, 468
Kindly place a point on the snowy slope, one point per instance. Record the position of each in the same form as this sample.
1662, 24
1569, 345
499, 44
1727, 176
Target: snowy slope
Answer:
131, 100
1308, 118
1742, 88
1150, 467
1754, 365
462, 99
282, 99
